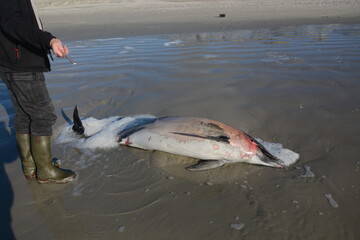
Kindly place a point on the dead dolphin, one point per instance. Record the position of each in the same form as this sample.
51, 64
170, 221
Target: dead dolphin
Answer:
213, 142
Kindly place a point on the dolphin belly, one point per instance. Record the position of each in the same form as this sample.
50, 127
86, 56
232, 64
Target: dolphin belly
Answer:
181, 136
171, 143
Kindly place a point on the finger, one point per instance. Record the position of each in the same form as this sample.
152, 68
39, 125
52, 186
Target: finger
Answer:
59, 53
62, 51
66, 50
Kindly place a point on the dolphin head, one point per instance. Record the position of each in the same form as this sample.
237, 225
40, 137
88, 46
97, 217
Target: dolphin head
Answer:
261, 155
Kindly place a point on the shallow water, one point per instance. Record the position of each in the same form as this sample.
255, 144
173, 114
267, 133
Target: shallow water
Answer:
298, 86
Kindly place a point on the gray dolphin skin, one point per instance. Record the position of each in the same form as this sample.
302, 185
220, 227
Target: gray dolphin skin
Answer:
214, 143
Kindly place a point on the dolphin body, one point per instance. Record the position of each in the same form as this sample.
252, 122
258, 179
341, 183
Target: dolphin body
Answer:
213, 142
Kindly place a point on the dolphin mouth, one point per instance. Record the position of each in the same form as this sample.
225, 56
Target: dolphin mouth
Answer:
265, 156
269, 159
272, 161
278, 164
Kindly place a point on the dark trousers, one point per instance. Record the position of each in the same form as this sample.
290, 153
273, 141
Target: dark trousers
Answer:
30, 97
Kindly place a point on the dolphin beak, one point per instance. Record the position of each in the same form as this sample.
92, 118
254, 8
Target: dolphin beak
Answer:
278, 165
270, 160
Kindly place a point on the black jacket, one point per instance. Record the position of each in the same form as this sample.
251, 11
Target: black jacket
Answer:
23, 46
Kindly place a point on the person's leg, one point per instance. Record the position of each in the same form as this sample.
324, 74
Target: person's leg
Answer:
30, 95
24, 150
22, 130
33, 98
22, 119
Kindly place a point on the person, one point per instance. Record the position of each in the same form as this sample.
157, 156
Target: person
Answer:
24, 49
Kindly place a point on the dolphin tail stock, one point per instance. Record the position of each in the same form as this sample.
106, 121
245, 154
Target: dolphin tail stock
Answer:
78, 126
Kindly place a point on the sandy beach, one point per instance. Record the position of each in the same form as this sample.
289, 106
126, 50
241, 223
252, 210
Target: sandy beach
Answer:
284, 71
93, 19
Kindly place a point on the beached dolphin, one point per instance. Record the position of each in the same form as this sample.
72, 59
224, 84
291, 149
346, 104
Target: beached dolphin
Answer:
213, 142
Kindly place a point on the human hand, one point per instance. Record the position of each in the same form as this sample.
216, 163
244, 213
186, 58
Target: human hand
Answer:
58, 49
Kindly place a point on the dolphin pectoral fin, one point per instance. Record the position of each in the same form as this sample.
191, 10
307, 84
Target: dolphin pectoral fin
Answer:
205, 165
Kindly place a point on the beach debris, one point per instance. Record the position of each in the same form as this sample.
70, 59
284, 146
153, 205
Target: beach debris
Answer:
170, 178
296, 202
331, 200
237, 226
121, 229
307, 173
222, 15
209, 183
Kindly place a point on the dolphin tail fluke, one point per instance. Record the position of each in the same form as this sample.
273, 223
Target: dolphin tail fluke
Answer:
78, 126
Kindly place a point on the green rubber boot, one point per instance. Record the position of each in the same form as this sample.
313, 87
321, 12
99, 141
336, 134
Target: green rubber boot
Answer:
27, 161
46, 172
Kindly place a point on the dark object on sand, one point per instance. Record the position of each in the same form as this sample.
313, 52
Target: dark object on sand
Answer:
222, 15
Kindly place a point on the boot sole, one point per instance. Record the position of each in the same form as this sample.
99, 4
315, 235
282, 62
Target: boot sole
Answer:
29, 177
65, 180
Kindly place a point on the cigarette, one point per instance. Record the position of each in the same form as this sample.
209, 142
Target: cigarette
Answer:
70, 59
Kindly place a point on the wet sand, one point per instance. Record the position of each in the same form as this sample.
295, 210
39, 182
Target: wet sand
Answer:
282, 84
113, 18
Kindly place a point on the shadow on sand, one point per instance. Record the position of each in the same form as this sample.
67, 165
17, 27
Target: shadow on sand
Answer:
8, 154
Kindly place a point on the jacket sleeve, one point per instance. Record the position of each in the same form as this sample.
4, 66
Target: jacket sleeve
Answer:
15, 26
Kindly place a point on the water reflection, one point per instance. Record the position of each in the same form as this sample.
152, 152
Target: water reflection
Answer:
268, 36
